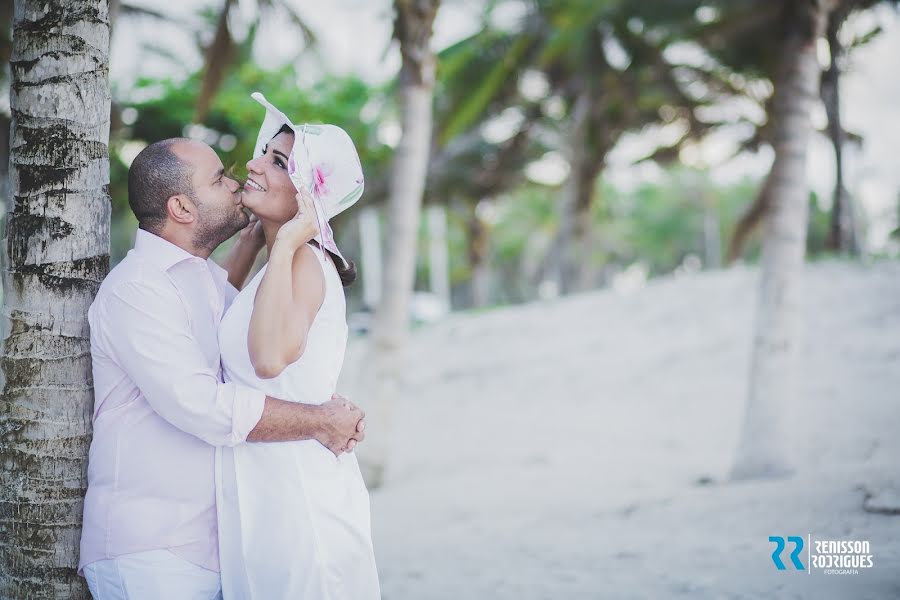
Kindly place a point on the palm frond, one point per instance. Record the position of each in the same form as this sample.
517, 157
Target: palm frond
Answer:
286, 8
218, 57
479, 98
133, 11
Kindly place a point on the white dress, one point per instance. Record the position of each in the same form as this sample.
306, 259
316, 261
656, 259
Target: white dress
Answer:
293, 518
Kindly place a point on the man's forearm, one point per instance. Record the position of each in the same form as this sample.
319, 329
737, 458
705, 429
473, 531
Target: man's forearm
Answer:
284, 421
240, 260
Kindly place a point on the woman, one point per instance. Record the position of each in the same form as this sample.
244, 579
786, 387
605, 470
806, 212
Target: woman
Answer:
294, 517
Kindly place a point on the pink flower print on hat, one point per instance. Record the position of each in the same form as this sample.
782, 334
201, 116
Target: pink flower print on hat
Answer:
320, 174
317, 189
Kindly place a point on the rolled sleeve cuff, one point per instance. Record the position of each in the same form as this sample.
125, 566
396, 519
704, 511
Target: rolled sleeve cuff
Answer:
248, 410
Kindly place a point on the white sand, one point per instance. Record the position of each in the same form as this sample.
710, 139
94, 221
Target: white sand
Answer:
553, 450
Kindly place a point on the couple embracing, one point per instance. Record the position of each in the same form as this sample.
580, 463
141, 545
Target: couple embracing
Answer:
221, 463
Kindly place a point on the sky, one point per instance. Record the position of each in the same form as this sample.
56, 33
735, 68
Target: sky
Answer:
355, 37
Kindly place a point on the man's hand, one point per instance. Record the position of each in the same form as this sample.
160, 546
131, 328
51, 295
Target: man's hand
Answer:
343, 426
360, 427
239, 261
253, 234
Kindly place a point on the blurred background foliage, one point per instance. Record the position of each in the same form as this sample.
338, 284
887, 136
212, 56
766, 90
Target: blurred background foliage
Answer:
564, 82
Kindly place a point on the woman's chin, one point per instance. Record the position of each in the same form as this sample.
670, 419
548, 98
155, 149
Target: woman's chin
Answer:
248, 200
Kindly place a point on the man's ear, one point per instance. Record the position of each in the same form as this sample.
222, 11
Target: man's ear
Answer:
181, 209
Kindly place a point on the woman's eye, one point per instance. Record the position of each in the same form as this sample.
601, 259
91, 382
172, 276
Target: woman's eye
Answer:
279, 163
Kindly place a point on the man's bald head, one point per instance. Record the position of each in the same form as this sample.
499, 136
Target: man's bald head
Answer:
159, 172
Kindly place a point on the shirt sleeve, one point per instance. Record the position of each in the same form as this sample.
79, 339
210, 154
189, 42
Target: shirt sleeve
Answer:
156, 348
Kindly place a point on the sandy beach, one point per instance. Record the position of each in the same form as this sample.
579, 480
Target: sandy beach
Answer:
580, 448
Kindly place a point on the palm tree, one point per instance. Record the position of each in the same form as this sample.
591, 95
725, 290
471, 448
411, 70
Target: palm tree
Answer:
413, 24
6, 10
605, 101
763, 451
842, 228
567, 42
220, 53
743, 39
57, 244
469, 170
777, 41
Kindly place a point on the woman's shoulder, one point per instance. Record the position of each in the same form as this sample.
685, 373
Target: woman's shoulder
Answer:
307, 265
308, 277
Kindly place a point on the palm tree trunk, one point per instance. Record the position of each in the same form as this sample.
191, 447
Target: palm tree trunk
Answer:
576, 268
763, 451
842, 228
370, 251
712, 241
581, 269
412, 28
576, 227
219, 54
6, 12
4, 160
439, 254
574, 239
750, 220
479, 244
57, 252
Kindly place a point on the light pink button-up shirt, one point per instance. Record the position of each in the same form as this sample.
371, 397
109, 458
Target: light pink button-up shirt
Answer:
160, 406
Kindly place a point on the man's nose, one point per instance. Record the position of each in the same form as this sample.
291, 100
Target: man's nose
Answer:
233, 185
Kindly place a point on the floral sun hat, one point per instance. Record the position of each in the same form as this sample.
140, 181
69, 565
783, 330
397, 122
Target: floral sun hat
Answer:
324, 161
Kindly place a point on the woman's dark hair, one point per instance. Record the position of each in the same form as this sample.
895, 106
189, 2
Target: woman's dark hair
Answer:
347, 273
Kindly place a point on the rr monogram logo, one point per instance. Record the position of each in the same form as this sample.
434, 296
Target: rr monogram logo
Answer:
795, 555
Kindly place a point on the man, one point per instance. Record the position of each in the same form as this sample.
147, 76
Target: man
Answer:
160, 403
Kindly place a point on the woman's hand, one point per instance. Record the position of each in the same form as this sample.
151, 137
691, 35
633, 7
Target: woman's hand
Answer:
303, 227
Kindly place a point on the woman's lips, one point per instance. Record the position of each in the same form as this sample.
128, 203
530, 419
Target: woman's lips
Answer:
253, 186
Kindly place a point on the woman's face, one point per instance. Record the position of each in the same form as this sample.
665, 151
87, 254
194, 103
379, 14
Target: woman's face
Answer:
269, 192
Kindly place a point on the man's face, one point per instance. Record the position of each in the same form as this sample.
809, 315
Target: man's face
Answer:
217, 197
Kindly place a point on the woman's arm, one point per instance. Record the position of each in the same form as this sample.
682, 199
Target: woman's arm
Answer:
289, 295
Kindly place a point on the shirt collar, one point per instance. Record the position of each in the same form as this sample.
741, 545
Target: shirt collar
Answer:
162, 253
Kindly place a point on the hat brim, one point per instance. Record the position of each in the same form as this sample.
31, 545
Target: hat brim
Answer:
326, 161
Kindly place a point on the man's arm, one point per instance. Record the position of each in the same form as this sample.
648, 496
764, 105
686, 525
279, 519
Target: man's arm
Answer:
148, 332
243, 253
338, 424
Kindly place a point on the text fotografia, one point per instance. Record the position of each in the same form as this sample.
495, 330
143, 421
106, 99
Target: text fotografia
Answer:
841, 557
829, 557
